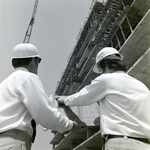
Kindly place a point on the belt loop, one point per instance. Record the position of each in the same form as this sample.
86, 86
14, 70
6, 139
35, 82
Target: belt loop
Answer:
125, 137
106, 137
103, 147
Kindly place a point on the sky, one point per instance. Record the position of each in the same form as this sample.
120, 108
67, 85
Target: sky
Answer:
57, 25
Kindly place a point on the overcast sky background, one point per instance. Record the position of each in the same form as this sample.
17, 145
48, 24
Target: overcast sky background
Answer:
57, 24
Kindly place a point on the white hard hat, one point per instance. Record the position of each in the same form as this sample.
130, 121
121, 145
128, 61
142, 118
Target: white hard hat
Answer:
25, 50
105, 52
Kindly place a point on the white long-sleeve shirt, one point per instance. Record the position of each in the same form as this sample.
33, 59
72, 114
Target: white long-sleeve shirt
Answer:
22, 98
124, 104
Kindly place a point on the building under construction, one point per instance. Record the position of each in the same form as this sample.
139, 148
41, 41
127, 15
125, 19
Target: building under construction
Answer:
122, 24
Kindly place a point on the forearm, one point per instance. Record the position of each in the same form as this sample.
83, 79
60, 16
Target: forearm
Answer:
39, 106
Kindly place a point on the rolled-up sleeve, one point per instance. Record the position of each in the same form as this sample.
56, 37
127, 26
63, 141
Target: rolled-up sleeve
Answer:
38, 104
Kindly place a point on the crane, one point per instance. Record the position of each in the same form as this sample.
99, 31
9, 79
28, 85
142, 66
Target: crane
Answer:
30, 26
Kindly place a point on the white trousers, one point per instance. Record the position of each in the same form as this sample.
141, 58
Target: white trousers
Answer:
15, 140
125, 144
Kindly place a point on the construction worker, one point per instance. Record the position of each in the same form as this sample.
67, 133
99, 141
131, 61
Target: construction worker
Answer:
124, 103
23, 102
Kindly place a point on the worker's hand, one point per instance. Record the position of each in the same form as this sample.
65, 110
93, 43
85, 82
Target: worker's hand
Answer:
75, 127
60, 99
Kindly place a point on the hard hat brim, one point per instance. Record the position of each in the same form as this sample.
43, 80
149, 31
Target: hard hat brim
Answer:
111, 57
25, 57
95, 69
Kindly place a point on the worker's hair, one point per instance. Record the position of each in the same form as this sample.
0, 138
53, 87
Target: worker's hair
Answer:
20, 62
113, 64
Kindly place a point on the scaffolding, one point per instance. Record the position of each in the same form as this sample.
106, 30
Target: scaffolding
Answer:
109, 24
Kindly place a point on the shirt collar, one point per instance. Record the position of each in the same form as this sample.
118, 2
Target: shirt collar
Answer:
120, 71
22, 69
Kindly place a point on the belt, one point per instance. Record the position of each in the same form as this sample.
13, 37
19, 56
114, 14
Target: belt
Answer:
121, 136
17, 134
